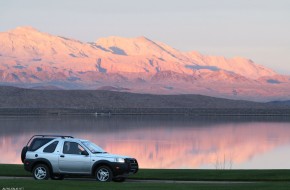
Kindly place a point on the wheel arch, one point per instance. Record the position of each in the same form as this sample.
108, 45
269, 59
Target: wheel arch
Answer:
42, 161
101, 163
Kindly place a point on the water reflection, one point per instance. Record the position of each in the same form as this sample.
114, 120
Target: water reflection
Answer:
163, 142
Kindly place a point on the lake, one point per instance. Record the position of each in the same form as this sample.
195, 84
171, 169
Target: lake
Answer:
164, 141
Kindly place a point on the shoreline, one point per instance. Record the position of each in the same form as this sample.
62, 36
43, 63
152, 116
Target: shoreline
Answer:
230, 112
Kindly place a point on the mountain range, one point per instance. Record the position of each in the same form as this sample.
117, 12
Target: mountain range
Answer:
33, 59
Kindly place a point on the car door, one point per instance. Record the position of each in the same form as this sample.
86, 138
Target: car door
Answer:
72, 161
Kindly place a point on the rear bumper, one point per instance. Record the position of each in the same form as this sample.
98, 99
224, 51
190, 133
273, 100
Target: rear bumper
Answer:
28, 164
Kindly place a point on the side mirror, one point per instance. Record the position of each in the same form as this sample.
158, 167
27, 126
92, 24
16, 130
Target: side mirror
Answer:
84, 153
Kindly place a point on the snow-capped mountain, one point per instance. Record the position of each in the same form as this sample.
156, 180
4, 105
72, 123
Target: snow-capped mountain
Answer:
30, 58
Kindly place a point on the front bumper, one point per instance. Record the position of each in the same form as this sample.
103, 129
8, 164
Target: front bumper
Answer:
129, 167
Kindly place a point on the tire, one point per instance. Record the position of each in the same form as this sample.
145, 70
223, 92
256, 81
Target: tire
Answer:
23, 153
41, 172
119, 179
57, 177
104, 174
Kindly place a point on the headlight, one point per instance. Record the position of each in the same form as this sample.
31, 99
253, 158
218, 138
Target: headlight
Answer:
120, 160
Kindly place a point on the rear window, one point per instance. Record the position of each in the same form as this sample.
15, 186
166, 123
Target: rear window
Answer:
50, 148
38, 142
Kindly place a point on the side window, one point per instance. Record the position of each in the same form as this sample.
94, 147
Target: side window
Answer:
38, 142
72, 148
51, 148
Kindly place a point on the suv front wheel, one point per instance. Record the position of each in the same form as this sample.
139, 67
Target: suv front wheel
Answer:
104, 174
41, 172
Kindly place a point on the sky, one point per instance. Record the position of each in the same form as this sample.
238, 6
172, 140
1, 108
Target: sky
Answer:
254, 29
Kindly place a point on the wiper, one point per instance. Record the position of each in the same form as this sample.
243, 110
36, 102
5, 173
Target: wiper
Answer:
100, 152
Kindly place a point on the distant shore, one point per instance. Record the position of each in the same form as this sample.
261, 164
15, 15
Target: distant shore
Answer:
18, 101
146, 111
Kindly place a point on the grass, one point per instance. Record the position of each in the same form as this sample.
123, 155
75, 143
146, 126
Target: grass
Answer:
261, 179
187, 175
13, 170
214, 175
74, 185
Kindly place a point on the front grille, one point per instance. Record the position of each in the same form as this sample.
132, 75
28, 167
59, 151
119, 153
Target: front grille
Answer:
133, 164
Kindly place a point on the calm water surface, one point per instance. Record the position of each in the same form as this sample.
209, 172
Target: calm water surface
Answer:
164, 141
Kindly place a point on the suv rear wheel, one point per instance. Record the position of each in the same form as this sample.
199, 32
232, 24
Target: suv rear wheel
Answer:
104, 174
41, 172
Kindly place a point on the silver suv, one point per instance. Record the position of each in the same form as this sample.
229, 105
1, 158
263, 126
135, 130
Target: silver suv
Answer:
52, 156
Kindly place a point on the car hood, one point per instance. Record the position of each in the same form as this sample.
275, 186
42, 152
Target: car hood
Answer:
107, 155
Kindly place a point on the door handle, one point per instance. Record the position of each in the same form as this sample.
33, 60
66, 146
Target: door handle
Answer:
62, 156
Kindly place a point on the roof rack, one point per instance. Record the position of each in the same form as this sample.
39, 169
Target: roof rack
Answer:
62, 136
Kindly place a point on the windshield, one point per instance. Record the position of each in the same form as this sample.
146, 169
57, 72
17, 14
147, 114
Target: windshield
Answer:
92, 147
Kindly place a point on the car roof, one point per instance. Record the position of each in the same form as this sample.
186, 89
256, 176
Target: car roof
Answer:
47, 137
72, 139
